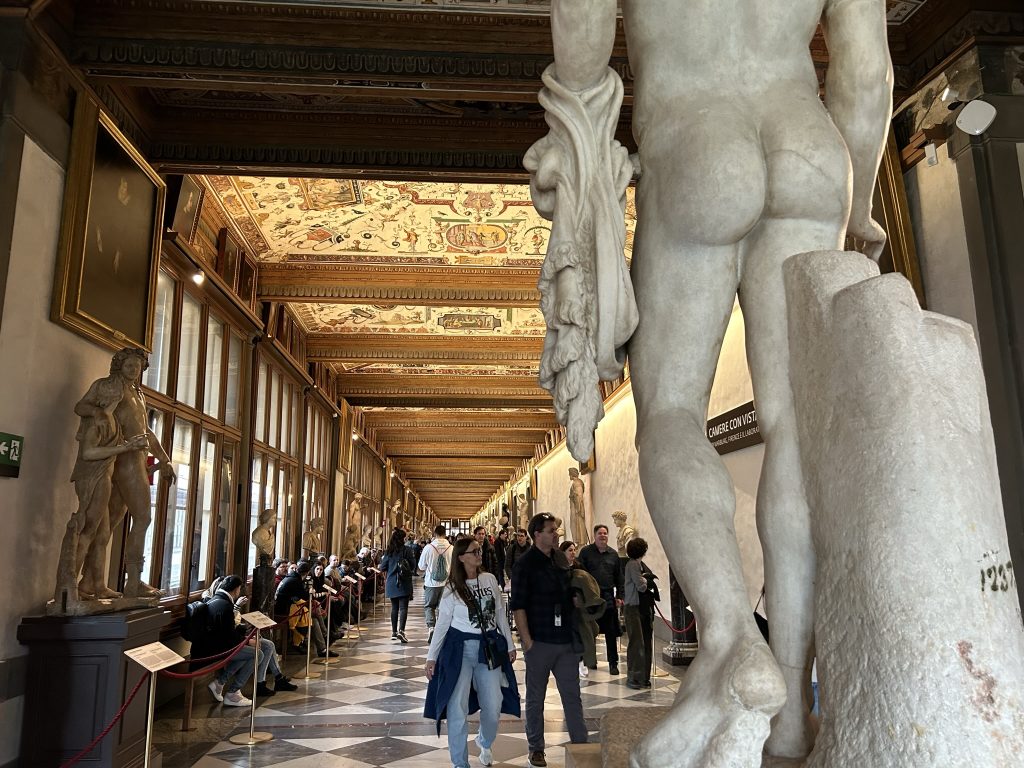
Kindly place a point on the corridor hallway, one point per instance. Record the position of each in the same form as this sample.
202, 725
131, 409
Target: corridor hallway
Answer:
366, 710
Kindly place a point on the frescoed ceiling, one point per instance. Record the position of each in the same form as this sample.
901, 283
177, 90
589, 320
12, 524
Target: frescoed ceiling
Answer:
421, 299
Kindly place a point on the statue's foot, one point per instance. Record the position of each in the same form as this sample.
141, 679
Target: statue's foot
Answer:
106, 593
722, 713
793, 731
139, 588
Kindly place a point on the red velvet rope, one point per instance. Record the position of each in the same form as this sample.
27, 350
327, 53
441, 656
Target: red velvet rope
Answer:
668, 624
229, 655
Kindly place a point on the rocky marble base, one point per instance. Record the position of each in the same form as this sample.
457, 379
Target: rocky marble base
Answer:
621, 729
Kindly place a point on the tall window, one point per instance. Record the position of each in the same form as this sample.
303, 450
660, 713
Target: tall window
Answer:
193, 389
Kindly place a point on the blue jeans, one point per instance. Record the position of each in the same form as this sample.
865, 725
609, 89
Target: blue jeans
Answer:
487, 683
240, 668
268, 660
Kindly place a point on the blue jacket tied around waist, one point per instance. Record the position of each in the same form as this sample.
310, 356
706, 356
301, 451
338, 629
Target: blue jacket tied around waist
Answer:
446, 674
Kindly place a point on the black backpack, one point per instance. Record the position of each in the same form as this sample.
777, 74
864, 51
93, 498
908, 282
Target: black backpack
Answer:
404, 569
196, 621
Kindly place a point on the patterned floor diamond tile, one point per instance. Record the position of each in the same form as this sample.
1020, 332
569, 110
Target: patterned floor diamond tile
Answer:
323, 760
372, 666
350, 695
365, 681
328, 743
310, 705
270, 753
383, 751
352, 710
433, 741
211, 762
435, 759
398, 703
399, 686
405, 673
623, 703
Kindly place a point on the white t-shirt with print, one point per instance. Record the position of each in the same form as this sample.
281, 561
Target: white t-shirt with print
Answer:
453, 612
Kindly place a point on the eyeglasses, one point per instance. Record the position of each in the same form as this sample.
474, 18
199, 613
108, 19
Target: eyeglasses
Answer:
477, 551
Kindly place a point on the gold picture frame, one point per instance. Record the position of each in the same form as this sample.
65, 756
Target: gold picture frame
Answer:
111, 230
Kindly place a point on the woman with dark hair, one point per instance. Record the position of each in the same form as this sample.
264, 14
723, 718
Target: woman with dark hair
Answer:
469, 662
641, 592
399, 565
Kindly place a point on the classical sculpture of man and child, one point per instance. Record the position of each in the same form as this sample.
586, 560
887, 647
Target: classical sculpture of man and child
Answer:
111, 477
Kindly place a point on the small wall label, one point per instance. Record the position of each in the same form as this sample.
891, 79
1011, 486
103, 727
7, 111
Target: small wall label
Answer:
11, 447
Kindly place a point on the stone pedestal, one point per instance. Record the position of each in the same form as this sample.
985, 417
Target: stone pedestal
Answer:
78, 678
683, 648
622, 728
262, 590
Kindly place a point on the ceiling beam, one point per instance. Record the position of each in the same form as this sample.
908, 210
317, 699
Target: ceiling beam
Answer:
333, 283
365, 348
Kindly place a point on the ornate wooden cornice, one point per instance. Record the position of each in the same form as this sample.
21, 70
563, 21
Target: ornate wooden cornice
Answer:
375, 284
398, 349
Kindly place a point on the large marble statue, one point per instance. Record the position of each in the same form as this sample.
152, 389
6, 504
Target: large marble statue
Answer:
311, 539
578, 508
130, 477
394, 517
99, 442
741, 166
900, 468
355, 517
264, 537
624, 533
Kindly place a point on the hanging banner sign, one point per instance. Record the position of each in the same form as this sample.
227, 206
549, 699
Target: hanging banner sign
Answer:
734, 429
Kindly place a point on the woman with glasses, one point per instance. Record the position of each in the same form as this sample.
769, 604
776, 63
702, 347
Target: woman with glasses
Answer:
469, 663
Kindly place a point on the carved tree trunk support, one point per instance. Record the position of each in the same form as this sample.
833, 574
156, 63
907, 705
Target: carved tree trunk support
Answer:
896, 443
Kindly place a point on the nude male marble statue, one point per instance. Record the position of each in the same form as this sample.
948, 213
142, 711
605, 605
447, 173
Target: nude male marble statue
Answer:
741, 166
130, 479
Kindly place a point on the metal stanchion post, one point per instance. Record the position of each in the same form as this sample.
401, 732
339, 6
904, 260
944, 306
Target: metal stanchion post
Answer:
306, 674
254, 736
150, 711
327, 659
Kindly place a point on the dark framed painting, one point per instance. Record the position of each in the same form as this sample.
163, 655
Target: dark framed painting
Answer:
111, 228
229, 256
184, 202
247, 281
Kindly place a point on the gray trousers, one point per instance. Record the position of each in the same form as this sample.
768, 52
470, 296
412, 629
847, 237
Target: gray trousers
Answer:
431, 599
542, 660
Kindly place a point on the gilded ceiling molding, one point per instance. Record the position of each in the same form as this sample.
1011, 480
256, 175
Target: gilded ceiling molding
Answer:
204, 158
344, 354
344, 294
268, 11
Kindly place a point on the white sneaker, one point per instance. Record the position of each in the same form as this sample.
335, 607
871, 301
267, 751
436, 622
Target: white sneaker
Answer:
486, 758
236, 699
217, 689
584, 672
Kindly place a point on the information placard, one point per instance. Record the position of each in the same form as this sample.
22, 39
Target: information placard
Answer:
154, 656
350, 580
330, 589
259, 620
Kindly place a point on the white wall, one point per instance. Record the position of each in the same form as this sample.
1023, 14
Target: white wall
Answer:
933, 196
46, 369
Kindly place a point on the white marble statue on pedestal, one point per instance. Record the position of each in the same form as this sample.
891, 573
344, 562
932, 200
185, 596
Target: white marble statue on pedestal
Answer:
741, 166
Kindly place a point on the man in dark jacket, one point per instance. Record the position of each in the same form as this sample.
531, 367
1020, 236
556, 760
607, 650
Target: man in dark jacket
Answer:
221, 634
516, 550
293, 588
490, 561
603, 563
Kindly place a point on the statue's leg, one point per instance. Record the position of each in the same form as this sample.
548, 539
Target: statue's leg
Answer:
94, 569
135, 489
725, 702
783, 515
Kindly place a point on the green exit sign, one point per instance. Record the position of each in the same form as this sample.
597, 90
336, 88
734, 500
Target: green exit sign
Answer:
10, 454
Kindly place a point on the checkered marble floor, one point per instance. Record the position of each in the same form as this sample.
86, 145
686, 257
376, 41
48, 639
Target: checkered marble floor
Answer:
366, 710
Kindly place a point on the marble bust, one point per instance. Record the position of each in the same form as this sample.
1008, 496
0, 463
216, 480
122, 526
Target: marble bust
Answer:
264, 537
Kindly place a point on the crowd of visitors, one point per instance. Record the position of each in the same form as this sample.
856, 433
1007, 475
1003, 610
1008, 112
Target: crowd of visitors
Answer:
561, 600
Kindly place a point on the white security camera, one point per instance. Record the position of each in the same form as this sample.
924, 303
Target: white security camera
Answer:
976, 117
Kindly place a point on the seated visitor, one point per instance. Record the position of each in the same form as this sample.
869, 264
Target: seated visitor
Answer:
222, 633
